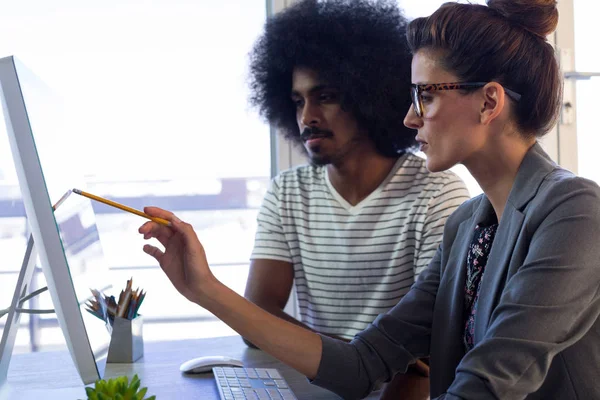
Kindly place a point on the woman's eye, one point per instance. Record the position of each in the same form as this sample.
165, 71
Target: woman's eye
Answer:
426, 98
298, 103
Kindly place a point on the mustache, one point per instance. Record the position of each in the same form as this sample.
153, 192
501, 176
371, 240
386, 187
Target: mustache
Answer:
308, 132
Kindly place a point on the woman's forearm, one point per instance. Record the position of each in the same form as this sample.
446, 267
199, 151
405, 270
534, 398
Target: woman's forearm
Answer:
297, 347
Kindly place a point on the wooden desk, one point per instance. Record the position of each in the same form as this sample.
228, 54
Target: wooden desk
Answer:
53, 374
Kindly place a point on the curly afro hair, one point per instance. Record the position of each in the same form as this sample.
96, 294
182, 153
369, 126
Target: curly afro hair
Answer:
358, 46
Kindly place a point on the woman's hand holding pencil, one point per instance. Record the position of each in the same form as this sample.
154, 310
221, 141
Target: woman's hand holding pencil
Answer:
183, 259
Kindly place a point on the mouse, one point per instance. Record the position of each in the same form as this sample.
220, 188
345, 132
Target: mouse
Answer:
206, 364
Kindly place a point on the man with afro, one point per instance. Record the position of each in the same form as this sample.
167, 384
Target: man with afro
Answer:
353, 228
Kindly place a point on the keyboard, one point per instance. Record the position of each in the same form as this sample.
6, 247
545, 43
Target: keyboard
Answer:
251, 384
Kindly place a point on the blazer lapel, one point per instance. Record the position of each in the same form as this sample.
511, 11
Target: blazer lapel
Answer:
450, 348
458, 262
446, 346
533, 170
457, 280
495, 271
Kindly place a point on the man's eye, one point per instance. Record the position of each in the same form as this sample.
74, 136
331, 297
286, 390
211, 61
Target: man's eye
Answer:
327, 97
298, 103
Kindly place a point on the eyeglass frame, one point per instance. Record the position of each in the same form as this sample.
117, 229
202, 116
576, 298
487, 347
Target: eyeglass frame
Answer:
417, 89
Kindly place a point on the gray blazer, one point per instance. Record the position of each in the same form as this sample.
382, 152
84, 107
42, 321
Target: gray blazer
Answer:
537, 331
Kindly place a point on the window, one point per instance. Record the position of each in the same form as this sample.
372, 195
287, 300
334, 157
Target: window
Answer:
587, 59
156, 98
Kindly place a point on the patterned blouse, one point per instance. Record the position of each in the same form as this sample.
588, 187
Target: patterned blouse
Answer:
479, 251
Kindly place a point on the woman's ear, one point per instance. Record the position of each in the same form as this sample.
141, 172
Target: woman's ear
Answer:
493, 102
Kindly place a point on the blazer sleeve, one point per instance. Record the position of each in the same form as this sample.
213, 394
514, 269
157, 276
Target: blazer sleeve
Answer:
546, 306
389, 345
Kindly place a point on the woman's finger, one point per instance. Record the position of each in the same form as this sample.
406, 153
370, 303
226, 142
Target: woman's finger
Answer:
177, 225
187, 230
158, 212
154, 252
163, 233
146, 227
154, 230
153, 226
162, 237
168, 215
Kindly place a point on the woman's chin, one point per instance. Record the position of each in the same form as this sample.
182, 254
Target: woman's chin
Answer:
434, 165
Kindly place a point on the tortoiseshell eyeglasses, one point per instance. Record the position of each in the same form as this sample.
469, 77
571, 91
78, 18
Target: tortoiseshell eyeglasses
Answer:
416, 90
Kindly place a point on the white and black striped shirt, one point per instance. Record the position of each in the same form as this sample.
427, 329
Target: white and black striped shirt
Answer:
352, 263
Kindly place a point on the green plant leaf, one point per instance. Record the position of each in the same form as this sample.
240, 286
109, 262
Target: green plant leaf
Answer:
135, 382
135, 386
142, 393
119, 388
102, 396
91, 393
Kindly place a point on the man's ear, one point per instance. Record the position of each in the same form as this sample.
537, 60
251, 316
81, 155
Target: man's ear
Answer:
493, 102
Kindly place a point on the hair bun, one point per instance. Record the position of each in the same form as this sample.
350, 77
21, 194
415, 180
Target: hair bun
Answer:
539, 17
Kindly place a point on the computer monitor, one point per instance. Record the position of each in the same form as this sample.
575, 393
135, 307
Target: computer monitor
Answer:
67, 241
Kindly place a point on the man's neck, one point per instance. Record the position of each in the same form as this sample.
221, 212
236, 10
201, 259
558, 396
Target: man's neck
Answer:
358, 176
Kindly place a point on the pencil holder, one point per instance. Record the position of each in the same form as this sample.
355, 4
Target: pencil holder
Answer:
126, 341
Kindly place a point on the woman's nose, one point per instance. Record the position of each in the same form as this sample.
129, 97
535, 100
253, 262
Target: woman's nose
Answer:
411, 120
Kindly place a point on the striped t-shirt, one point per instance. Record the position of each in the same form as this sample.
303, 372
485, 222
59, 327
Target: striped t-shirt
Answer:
352, 263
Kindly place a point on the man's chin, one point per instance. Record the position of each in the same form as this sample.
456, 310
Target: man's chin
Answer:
318, 159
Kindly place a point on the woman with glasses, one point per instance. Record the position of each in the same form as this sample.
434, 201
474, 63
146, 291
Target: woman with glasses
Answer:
508, 308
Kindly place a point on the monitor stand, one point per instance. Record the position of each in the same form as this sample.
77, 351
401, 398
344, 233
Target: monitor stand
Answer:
11, 327
20, 296
15, 310
12, 320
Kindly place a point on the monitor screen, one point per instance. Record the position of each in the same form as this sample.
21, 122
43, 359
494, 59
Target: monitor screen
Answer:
67, 240
75, 217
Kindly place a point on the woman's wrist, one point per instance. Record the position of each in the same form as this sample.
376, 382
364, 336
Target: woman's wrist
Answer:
207, 291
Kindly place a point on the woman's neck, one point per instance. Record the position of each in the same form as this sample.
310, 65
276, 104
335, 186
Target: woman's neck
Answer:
495, 169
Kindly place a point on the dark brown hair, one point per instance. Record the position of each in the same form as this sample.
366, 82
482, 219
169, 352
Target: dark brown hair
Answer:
504, 42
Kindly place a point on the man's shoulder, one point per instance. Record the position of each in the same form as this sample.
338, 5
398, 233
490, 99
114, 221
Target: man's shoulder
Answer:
301, 175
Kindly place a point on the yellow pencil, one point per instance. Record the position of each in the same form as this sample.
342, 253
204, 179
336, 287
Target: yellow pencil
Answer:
121, 206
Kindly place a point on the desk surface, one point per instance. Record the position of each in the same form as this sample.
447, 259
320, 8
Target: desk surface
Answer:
158, 370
